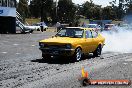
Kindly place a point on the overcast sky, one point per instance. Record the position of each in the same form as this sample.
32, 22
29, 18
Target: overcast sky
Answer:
99, 2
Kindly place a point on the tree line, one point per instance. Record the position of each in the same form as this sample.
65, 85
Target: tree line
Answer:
66, 11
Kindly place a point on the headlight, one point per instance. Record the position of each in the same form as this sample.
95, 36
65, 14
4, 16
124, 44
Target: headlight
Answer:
68, 46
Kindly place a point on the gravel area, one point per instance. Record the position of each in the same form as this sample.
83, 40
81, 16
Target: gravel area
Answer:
21, 65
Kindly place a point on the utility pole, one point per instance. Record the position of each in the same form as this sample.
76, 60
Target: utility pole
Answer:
56, 10
41, 11
41, 25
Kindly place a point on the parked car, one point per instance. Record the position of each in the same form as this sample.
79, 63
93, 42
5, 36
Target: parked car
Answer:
108, 27
72, 41
37, 26
21, 28
94, 26
33, 27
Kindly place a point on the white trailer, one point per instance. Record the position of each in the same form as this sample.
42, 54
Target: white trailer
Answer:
7, 16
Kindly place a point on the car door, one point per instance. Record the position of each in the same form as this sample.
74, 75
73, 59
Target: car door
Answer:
88, 41
94, 40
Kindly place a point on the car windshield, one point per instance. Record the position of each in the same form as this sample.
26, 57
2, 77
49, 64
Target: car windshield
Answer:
70, 32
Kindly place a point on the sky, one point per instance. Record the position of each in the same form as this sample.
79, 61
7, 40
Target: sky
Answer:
98, 2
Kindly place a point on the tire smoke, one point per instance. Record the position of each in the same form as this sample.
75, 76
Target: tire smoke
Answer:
119, 39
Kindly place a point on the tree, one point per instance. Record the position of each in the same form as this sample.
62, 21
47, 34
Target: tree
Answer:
86, 9
91, 11
41, 7
23, 8
66, 11
109, 13
35, 8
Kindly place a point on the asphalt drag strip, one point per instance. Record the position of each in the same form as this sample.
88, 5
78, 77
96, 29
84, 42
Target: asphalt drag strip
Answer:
30, 74
21, 65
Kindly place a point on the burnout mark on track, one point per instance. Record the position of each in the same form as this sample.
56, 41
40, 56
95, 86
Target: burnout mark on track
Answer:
15, 44
129, 59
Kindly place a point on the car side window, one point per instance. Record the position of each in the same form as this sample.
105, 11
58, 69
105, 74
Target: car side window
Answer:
95, 34
62, 33
88, 34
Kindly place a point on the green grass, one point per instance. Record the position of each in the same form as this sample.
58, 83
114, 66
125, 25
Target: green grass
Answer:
116, 22
87, 21
82, 20
32, 20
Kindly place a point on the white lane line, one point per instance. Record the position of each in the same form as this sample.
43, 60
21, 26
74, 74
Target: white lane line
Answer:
125, 63
15, 44
32, 45
18, 53
4, 52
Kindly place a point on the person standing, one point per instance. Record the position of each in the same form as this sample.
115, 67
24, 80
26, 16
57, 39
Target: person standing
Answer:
84, 24
58, 26
41, 26
70, 24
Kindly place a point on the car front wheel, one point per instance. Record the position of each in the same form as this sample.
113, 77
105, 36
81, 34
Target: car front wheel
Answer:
78, 54
23, 32
31, 31
46, 57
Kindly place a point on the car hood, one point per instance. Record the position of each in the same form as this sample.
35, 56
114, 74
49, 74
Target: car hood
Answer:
63, 40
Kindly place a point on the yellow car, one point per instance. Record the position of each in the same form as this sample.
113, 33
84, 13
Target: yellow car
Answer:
73, 41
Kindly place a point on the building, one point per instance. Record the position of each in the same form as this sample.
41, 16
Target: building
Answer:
7, 16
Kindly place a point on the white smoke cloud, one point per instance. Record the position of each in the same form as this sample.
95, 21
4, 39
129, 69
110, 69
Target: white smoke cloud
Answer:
119, 41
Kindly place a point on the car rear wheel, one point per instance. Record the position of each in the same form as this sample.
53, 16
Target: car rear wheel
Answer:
38, 29
31, 31
78, 54
23, 32
98, 51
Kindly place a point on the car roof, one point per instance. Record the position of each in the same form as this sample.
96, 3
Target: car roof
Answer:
109, 24
83, 28
74, 27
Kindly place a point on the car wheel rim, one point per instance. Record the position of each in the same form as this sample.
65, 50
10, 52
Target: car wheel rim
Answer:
78, 54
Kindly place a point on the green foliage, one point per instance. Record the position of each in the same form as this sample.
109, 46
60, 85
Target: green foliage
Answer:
23, 9
31, 21
66, 11
90, 10
41, 8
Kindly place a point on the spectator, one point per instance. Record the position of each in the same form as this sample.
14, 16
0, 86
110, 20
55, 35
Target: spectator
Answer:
76, 24
58, 25
41, 25
70, 24
84, 24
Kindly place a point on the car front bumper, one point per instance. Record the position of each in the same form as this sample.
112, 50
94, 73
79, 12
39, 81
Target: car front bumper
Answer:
57, 52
